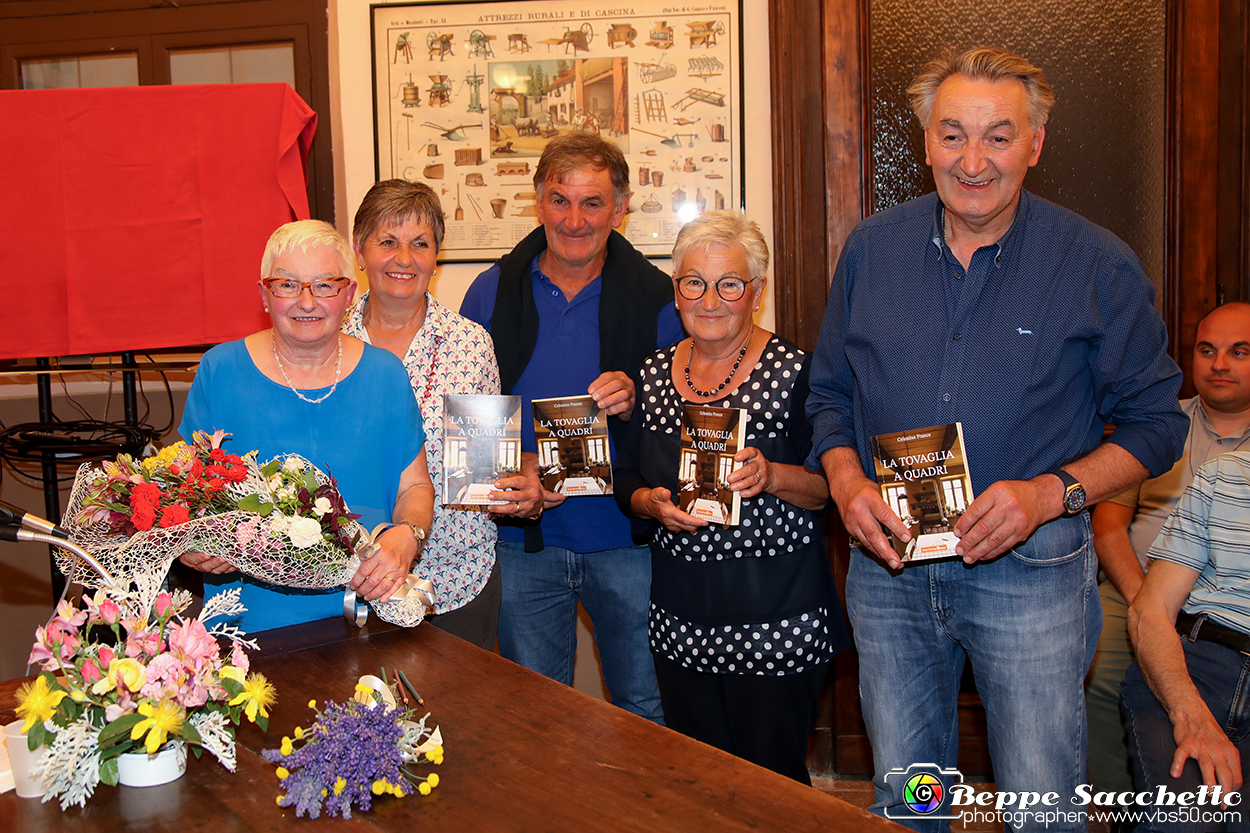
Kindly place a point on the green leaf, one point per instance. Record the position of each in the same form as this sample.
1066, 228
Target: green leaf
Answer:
118, 729
108, 771
271, 468
191, 735
262, 722
253, 503
38, 736
310, 481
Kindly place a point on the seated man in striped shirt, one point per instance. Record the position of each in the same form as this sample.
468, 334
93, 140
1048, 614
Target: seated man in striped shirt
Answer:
1184, 705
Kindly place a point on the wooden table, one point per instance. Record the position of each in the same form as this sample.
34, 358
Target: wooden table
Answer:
523, 754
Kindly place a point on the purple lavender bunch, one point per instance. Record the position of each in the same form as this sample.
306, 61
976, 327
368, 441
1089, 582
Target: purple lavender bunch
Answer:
349, 755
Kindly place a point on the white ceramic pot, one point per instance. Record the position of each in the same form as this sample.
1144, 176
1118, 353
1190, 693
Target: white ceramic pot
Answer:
139, 769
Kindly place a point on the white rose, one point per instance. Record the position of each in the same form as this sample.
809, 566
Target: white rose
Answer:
293, 465
321, 505
275, 482
279, 524
304, 532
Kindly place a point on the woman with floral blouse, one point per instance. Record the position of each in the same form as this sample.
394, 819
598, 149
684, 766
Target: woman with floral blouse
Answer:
397, 234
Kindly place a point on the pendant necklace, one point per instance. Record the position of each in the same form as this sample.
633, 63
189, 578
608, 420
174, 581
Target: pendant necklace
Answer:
338, 369
728, 379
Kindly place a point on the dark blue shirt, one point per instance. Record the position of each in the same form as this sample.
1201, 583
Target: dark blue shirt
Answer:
1049, 335
564, 363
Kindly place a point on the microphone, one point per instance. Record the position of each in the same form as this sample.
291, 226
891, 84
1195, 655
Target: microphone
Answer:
14, 515
10, 532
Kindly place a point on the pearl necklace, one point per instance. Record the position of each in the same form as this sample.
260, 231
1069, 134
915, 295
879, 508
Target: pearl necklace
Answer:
338, 369
728, 378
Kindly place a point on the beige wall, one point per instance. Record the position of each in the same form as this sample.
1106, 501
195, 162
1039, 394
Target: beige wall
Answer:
351, 99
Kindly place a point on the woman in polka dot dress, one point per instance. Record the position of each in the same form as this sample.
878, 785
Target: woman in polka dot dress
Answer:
744, 619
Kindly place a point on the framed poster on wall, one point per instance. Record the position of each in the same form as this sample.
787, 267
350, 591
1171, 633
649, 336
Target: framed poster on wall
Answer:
466, 95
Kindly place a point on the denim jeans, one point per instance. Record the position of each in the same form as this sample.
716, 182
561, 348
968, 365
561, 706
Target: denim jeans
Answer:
1028, 621
538, 617
1222, 677
1109, 767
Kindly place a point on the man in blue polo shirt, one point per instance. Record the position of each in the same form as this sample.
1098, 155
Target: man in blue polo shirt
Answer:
574, 309
986, 305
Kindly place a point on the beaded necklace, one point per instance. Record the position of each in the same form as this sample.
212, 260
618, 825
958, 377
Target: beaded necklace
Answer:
728, 379
338, 369
429, 376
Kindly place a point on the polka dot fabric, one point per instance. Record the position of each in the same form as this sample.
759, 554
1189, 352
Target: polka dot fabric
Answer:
772, 539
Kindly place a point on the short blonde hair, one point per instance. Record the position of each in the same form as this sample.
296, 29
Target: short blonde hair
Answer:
723, 228
304, 236
983, 63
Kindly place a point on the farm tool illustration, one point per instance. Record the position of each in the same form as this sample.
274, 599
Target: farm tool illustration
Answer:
451, 134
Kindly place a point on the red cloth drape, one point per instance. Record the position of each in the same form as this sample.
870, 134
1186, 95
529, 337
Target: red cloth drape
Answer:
134, 218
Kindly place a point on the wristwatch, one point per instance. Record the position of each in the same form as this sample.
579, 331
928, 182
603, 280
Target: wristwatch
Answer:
417, 533
1073, 494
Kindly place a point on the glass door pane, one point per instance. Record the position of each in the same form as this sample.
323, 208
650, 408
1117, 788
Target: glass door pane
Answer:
243, 64
71, 71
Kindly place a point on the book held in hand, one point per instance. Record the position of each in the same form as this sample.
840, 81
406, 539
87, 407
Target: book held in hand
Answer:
481, 443
710, 437
574, 458
923, 475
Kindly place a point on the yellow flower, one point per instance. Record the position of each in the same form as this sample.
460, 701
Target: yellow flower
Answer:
160, 721
364, 689
126, 671
287, 748
312, 704
432, 779
78, 695
259, 695
379, 787
299, 732
283, 773
424, 788
339, 785
230, 672
278, 800
37, 702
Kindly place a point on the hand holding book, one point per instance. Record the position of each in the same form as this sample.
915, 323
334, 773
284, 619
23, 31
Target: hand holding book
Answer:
754, 474
522, 494
613, 391
658, 503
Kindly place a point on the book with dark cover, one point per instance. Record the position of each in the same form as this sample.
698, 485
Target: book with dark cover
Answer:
481, 443
923, 476
574, 458
710, 437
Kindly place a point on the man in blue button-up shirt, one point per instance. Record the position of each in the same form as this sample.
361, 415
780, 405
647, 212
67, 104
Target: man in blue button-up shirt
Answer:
985, 305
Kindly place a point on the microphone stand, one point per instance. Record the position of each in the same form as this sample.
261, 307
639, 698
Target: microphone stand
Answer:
15, 533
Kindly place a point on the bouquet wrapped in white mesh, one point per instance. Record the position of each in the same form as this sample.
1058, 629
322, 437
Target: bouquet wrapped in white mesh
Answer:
282, 522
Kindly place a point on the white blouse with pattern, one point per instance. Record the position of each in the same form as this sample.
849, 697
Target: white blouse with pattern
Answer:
449, 354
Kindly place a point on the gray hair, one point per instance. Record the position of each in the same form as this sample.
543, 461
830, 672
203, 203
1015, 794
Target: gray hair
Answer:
304, 236
391, 202
724, 228
580, 149
983, 63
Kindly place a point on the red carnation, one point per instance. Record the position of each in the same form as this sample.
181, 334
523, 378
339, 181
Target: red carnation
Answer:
174, 514
143, 516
